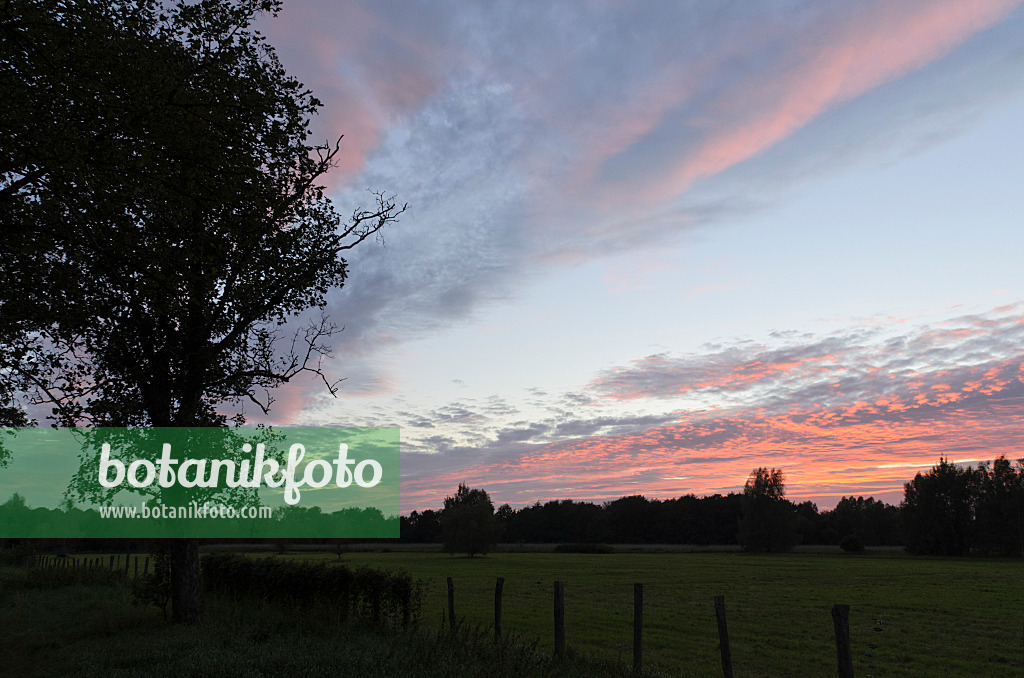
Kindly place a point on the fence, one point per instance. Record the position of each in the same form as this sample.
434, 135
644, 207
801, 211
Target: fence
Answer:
113, 563
840, 618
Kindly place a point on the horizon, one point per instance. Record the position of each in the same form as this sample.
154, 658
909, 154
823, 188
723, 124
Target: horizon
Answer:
649, 249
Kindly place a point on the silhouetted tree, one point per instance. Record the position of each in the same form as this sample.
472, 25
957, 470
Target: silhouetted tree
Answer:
938, 507
162, 219
808, 523
468, 524
421, 528
769, 520
1000, 507
629, 519
874, 522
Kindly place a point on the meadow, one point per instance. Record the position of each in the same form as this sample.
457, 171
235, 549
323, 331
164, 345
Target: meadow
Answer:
954, 617
924, 617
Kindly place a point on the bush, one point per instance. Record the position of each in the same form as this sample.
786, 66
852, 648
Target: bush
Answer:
366, 592
584, 548
20, 554
852, 543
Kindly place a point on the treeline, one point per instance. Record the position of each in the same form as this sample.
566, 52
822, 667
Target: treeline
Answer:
689, 519
953, 510
949, 510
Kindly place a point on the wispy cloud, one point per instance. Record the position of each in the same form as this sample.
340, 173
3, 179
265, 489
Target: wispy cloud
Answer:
849, 413
527, 137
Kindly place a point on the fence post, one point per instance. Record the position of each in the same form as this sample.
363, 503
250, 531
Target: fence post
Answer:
111, 563
498, 586
451, 604
559, 617
638, 627
127, 561
145, 567
723, 637
841, 621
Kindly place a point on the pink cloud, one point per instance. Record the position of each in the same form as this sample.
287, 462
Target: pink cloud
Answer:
831, 63
837, 431
369, 71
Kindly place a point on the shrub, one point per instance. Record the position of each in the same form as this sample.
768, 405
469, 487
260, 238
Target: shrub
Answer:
365, 592
21, 553
852, 543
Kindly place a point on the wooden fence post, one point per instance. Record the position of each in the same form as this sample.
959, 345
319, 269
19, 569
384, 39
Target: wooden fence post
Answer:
559, 617
145, 567
841, 621
638, 627
127, 561
723, 637
111, 562
451, 604
498, 586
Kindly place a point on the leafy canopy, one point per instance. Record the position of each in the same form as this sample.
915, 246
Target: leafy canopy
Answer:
162, 212
163, 218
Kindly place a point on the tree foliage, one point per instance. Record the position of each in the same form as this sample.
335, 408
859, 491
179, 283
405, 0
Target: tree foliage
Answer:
769, 520
954, 510
162, 209
938, 508
164, 225
873, 522
468, 524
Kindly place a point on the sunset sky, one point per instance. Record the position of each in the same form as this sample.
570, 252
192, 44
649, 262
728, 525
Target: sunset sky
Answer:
652, 246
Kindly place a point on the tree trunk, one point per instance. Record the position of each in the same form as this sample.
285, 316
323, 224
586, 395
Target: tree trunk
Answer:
186, 582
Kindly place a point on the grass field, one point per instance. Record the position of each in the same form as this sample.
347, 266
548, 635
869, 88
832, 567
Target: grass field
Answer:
938, 617
84, 624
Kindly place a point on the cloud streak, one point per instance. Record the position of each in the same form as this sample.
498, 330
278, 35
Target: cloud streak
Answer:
526, 138
844, 414
532, 138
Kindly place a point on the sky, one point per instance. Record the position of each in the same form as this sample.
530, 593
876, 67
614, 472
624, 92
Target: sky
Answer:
650, 247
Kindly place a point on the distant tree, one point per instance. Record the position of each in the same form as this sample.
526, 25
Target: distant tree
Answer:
15, 502
720, 517
421, 528
999, 515
629, 519
504, 516
808, 523
468, 524
163, 220
768, 522
937, 511
874, 522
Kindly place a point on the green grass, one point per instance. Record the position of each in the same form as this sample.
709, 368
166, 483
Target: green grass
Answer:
951, 617
84, 624
939, 617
